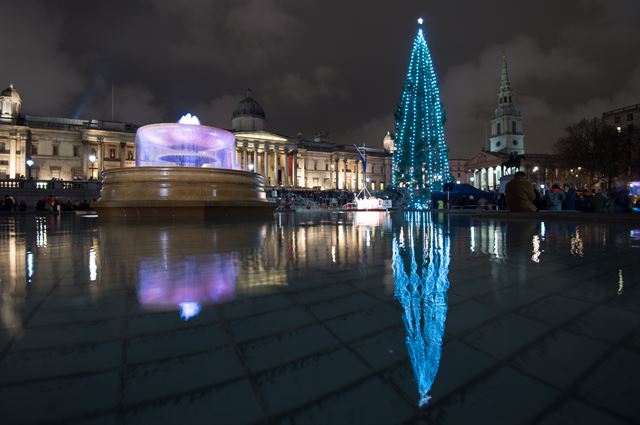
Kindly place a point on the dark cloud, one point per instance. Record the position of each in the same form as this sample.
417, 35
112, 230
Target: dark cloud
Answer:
330, 66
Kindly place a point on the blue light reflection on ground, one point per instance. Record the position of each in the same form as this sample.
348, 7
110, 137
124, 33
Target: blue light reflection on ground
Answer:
420, 267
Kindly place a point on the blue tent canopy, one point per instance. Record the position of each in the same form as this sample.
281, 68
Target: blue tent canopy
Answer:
464, 190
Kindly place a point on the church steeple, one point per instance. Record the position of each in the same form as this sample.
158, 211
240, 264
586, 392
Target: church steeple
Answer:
506, 126
505, 93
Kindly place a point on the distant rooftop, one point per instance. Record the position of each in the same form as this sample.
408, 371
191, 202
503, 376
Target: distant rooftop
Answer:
69, 124
623, 109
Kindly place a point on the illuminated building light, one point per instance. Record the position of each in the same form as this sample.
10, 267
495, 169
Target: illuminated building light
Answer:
620, 282
535, 252
93, 266
189, 309
30, 266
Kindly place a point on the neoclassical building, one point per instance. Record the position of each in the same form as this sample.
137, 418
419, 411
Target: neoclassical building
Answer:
59, 148
68, 149
299, 162
507, 137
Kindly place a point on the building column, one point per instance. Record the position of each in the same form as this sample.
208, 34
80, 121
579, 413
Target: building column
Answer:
84, 154
275, 165
285, 180
255, 158
357, 170
12, 158
100, 157
304, 182
336, 172
244, 158
295, 168
265, 164
490, 178
123, 152
345, 174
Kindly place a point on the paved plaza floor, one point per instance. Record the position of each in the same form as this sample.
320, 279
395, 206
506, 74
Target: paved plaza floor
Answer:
359, 318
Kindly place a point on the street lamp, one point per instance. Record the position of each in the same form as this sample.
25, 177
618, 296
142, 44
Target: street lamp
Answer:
29, 163
92, 160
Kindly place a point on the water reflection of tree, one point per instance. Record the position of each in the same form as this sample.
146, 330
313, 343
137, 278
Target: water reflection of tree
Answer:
420, 268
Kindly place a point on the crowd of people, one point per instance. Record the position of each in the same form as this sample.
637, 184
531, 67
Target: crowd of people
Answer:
523, 196
48, 204
288, 198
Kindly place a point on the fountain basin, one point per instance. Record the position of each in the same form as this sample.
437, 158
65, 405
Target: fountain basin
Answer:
181, 192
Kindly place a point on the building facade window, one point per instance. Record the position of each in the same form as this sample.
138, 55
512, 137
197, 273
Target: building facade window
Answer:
112, 153
515, 143
498, 128
130, 155
629, 117
76, 150
34, 149
56, 152
513, 126
3, 147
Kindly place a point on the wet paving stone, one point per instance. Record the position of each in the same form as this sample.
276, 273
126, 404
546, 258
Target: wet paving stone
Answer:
327, 319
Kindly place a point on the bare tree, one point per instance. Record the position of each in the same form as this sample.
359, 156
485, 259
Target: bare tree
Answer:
596, 147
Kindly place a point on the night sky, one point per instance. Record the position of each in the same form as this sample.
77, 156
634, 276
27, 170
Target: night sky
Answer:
334, 66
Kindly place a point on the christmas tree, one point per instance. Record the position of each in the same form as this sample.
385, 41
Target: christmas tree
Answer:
420, 162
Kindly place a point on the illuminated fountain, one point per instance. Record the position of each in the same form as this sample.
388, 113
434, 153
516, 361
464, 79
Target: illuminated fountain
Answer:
183, 169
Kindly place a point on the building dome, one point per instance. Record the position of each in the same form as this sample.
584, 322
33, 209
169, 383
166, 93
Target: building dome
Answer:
10, 104
11, 92
248, 115
248, 107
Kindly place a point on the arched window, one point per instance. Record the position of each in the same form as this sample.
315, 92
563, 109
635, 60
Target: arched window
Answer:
498, 128
515, 143
513, 126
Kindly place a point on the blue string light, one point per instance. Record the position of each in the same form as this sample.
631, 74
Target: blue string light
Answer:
421, 160
420, 267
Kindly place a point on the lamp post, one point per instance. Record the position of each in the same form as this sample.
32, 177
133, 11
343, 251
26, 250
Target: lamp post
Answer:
92, 160
29, 163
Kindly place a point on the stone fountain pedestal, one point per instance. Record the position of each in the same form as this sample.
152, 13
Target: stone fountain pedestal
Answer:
141, 193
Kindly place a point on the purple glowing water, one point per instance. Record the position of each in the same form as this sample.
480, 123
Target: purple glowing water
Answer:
184, 282
185, 145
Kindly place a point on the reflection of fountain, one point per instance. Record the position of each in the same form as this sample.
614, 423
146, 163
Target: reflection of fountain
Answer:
187, 282
420, 268
182, 170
